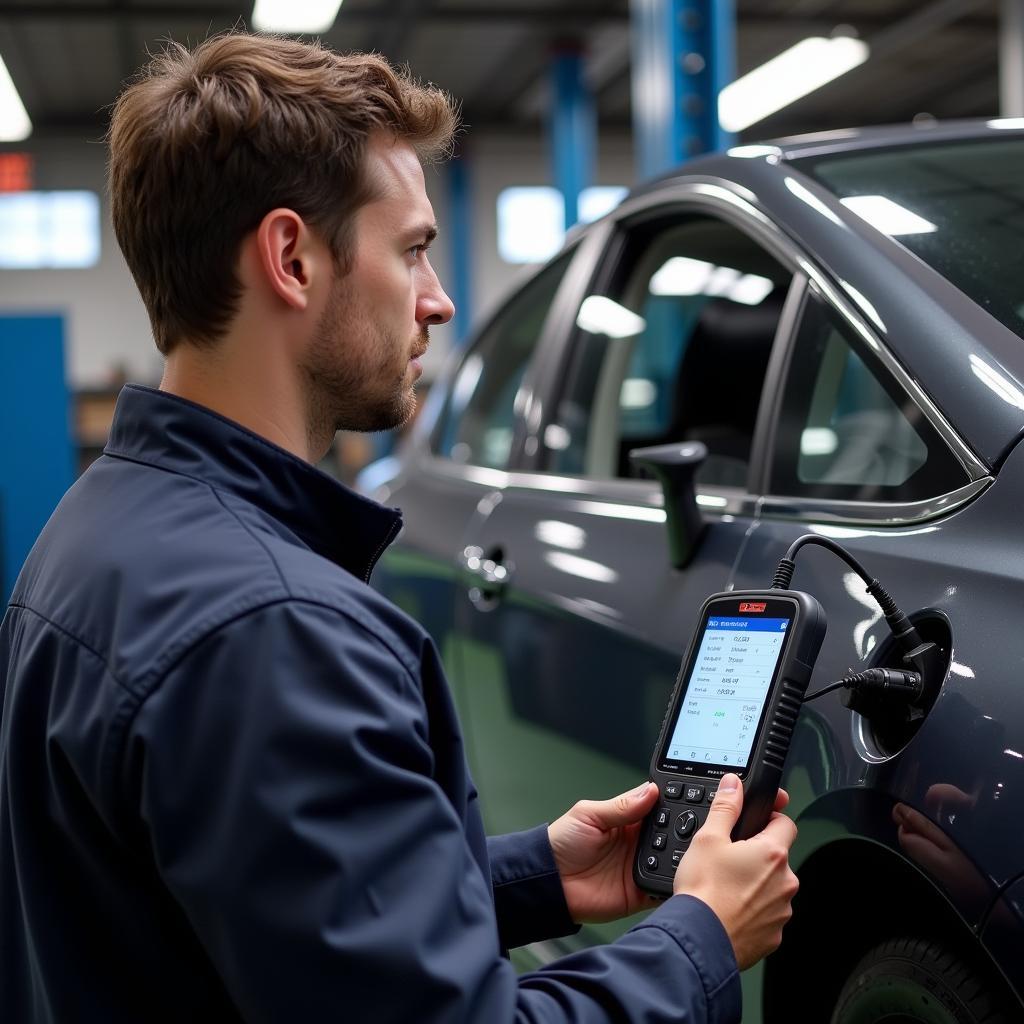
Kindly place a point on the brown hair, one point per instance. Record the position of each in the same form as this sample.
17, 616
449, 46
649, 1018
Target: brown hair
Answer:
204, 143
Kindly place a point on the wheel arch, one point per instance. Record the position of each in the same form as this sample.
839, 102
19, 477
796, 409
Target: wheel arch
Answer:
855, 892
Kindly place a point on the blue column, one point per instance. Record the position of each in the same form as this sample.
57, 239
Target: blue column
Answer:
683, 56
460, 232
37, 455
573, 129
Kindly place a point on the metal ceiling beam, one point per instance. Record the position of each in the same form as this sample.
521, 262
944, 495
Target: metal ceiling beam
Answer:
911, 30
404, 15
616, 12
48, 10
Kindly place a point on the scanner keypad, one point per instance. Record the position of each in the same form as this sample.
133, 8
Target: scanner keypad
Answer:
673, 829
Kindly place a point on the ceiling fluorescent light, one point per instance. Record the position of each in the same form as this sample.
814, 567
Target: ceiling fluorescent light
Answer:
295, 16
800, 70
14, 123
890, 218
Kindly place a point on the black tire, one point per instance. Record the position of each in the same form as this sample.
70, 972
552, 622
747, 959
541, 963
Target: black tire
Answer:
914, 981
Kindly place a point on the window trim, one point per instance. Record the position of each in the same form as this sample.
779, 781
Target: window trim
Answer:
731, 202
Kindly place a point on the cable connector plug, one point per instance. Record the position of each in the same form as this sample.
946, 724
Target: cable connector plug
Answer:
896, 684
900, 626
784, 574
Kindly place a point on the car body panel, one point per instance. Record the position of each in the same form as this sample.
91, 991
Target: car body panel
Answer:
562, 667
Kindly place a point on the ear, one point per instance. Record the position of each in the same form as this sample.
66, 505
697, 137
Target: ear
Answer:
290, 256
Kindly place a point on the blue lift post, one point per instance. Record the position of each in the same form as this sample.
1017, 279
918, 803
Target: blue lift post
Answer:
573, 128
460, 233
683, 55
37, 457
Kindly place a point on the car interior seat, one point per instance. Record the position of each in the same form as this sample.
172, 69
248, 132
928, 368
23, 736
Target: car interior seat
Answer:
718, 387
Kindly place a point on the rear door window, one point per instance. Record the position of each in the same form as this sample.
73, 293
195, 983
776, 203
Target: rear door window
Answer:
847, 431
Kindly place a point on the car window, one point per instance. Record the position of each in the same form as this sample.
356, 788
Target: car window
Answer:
846, 429
956, 205
478, 422
675, 350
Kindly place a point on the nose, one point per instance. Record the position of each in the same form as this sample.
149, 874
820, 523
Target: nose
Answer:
433, 305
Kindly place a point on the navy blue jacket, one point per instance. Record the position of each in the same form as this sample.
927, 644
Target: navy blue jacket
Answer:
232, 782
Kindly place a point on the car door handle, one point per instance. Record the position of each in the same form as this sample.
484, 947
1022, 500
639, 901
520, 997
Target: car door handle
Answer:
489, 573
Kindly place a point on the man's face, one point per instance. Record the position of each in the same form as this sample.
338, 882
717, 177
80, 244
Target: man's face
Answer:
363, 359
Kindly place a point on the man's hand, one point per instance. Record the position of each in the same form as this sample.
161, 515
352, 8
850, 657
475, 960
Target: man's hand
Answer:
748, 884
594, 844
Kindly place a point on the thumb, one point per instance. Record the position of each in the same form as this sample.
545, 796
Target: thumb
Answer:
625, 808
725, 811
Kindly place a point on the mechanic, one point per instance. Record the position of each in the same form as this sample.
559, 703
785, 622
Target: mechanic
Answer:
232, 783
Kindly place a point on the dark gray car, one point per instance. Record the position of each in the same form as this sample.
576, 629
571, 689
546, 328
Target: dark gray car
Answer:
839, 320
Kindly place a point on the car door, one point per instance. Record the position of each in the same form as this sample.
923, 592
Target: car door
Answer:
572, 618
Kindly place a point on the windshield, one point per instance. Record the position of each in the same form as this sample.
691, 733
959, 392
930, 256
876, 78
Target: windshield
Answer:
958, 206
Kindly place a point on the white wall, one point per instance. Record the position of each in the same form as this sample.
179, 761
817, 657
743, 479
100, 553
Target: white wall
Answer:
107, 329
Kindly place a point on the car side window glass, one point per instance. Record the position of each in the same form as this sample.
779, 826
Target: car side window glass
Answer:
847, 431
478, 421
675, 350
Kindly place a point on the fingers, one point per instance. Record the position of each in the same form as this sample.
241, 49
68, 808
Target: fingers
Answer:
943, 795
623, 809
779, 830
912, 822
725, 811
781, 800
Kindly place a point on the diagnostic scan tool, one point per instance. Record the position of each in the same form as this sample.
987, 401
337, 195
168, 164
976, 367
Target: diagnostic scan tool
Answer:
732, 709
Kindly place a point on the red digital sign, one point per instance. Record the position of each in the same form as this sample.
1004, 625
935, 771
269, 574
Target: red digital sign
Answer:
753, 606
15, 172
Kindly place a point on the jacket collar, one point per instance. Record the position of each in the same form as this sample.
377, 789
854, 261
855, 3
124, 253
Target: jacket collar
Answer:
175, 434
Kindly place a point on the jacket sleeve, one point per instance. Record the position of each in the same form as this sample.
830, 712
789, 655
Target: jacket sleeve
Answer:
282, 774
528, 895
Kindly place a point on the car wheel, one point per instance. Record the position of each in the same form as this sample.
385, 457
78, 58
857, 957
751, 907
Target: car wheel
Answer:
914, 981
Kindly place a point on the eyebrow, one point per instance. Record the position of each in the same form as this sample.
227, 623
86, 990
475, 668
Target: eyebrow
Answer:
428, 232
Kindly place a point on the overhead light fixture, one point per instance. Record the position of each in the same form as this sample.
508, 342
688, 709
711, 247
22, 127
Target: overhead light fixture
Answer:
295, 16
14, 123
800, 70
890, 218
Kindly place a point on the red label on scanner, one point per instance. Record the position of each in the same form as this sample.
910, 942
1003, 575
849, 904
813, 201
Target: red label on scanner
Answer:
753, 606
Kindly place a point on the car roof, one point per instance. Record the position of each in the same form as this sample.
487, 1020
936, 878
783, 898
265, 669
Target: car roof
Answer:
847, 140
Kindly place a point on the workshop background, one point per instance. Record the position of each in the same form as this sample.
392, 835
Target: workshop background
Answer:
566, 104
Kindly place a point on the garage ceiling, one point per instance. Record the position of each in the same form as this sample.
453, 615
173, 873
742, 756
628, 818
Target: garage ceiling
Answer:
69, 57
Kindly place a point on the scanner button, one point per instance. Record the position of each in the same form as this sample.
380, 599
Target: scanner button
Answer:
673, 790
712, 793
651, 862
659, 840
677, 856
661, 819
694, 794
686, 824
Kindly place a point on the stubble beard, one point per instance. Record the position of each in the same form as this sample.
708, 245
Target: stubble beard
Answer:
354, 387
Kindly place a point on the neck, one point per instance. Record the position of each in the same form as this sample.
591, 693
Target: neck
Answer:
248, 386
